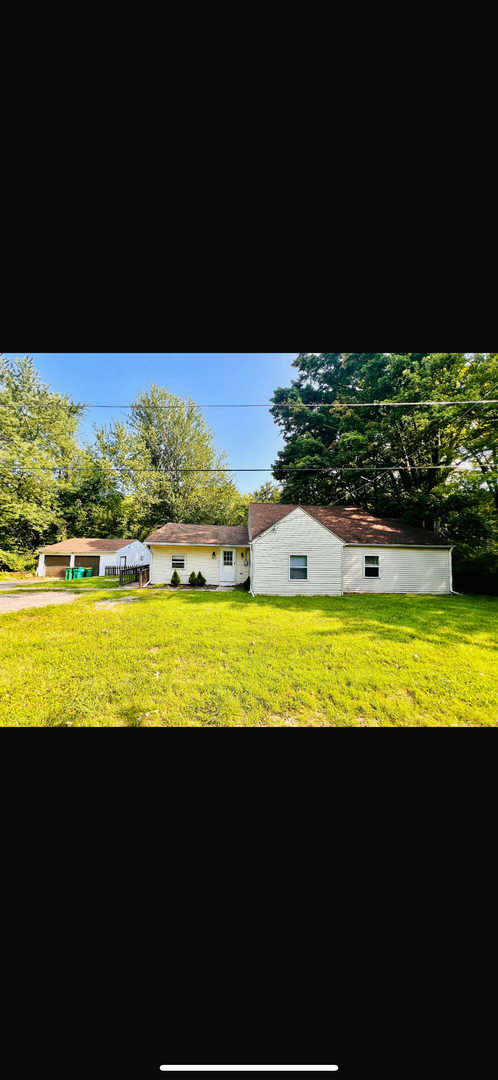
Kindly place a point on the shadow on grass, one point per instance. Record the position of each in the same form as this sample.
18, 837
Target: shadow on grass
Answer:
447, 620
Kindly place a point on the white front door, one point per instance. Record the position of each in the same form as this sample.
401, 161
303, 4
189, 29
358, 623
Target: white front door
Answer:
227, 565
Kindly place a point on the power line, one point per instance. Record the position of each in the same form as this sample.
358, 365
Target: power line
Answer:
280, 405
290, 468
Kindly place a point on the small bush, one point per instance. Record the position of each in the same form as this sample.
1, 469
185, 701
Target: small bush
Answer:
193, 578
176, 579
201, 580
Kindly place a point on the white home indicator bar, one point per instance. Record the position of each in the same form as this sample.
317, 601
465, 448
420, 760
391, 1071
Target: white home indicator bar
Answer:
249, 1068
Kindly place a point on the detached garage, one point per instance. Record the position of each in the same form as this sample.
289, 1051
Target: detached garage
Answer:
95, 553
55, 565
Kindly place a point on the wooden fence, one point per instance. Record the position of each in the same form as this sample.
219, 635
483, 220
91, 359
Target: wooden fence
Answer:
128, 574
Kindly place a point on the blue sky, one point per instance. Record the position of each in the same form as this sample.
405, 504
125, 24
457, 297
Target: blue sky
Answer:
250, 436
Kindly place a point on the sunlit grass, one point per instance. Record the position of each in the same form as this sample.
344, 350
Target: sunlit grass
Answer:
192, 659
53, 584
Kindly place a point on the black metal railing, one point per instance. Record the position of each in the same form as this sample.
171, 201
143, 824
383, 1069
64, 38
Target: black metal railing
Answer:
112, 571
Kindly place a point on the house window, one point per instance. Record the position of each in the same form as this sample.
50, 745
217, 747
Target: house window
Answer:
228, 558
178, 562
371, 566
298, 567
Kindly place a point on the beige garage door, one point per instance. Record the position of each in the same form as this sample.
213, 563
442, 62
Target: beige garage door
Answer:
55, 565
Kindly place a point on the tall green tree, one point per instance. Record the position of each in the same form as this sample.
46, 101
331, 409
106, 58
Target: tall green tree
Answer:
383, 458
410, 437
39, 456
266, 493
166, 464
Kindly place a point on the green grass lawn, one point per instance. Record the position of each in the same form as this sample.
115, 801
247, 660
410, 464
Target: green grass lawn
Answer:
56, 583
191, 659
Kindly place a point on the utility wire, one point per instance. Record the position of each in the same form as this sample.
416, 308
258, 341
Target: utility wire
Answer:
280, 405
290, 468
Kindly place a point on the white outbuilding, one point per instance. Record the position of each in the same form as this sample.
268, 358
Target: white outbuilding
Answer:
90, 552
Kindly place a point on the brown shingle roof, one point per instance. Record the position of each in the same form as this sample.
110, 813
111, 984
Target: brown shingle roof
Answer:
86, 544
349, 523
178, 533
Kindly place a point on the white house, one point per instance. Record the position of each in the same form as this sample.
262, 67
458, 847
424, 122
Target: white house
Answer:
220, 552
90, 552
292, 550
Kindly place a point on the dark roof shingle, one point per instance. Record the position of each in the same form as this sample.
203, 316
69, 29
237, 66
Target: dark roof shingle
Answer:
349, 523
85, 544
178, 533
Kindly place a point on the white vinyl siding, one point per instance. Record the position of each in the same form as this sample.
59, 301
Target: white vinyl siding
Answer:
134, 553
402, 570
296, 533
196, 558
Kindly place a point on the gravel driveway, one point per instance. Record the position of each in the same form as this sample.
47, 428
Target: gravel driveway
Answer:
18, 601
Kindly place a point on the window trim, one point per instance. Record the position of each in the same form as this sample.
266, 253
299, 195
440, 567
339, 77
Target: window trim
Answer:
372, 577
299, 555
178, 555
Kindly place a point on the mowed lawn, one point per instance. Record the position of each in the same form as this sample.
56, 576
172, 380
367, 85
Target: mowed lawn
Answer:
192, 659
52, 584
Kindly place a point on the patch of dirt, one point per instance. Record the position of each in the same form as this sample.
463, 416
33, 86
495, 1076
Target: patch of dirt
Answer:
18, 601
119, 600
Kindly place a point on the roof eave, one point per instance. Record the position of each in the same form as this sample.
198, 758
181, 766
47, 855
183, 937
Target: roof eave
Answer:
197, 543
394, 543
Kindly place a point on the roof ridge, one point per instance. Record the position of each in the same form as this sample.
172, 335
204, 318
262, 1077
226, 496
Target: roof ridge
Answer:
352, 524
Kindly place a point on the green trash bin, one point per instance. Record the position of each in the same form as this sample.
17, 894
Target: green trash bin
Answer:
69, 573
88, 571
79, 571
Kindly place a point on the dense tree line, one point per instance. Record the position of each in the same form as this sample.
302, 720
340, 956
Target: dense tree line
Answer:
380, 458
161, 464
131, 479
